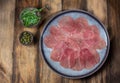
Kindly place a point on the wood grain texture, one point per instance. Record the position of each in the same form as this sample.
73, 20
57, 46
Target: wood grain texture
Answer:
114, 30
46, 73
67, 4
25, 58
21, 64
98, 8
6, 39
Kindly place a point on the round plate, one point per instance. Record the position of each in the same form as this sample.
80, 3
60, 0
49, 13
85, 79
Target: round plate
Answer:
55, 66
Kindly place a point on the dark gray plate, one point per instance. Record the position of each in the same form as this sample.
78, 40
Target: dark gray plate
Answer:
55, 66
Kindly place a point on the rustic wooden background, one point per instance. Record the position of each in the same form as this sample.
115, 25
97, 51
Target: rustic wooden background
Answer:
20, 64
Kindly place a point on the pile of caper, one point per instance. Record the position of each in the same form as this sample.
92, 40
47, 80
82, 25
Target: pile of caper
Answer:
26, 38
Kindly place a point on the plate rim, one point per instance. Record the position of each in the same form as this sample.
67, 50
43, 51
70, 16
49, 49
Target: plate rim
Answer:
52, 68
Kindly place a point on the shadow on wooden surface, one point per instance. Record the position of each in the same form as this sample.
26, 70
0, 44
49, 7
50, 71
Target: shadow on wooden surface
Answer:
114, 30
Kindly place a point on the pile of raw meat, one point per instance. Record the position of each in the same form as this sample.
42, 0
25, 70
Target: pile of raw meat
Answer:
74, 43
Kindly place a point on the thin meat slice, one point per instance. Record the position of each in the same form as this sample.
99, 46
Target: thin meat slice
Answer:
68, 59
77, 36
79, 65
59, 38
90, 32
54, 30
64, 61
57, 33
87, 34
83, 45
67, 24
100, 44
95, 29
96, 43
57, 52
95, 53
94, 59
88, 58
81, 22
72, 43
72, 60
54, 37
50, 41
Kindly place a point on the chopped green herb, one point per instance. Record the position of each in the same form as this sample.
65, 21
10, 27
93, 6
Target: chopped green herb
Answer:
29, 17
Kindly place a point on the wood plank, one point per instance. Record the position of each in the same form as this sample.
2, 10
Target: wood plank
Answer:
6, 39
76, 4
67, 4
46, 74
25, 58
114, 30
99, 9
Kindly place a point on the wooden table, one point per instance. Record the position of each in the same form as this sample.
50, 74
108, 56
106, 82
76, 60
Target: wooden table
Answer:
21, 64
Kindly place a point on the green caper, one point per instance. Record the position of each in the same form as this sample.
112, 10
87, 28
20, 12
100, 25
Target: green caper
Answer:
26, 38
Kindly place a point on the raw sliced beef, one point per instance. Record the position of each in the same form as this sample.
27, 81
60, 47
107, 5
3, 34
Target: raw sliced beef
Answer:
57, 52
79, 65
89, 58
81, 22
55, 31
100, 44
74, 43
68, 59
50, 41
87, 34
96, 43
95, 29
67, 23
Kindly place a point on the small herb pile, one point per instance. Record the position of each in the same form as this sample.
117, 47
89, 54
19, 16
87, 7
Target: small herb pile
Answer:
29, 17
